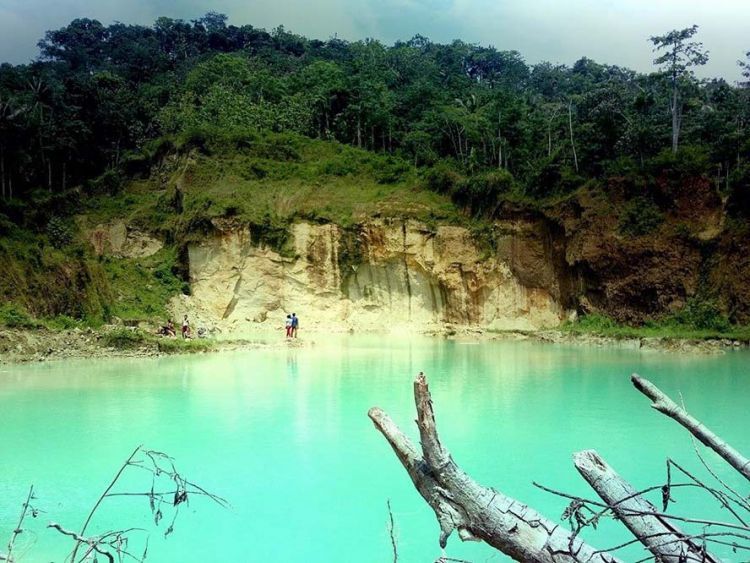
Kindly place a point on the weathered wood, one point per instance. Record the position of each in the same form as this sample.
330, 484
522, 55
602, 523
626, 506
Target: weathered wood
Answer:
662, 403
660, 536
477, 512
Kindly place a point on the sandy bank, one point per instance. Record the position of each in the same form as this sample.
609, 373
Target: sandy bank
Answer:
39, 345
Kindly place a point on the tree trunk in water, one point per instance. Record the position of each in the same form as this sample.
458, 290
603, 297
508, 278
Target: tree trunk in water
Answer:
478, 513
662, 538
665, 405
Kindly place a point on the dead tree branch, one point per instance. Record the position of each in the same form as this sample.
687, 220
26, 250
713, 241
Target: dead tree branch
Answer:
19, 527
665, 405
99, 501
392, 532
477, 512
661, 537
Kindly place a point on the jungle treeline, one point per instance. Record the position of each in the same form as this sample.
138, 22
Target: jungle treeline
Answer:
97, 95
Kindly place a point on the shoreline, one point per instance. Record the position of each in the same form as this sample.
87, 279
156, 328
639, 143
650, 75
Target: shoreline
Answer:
21, 346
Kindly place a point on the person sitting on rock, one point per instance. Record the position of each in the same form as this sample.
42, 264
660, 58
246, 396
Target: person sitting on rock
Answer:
167, 329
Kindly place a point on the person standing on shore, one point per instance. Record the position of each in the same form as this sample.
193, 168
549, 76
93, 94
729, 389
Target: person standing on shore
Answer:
185, 327
288, 326
295, 324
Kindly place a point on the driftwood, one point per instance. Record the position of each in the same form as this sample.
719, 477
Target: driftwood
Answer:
665, 405
660, 536
477, 512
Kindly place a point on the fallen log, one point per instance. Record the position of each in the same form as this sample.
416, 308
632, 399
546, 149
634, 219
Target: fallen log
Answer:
660, 536
662, 403
477, 512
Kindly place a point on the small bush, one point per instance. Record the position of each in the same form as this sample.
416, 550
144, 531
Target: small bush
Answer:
442, 179
62, 322
257, 171
640, 217
282, 147
482, 193
124, 338
391, 171
109, 183
339, 166
272, 232
689, 161
550, 176
6, 225
703, 315
59, 232
15, 316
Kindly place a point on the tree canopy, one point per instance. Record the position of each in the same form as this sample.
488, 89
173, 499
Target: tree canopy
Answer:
99, 93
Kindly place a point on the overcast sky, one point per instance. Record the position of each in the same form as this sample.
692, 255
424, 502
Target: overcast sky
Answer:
562, 31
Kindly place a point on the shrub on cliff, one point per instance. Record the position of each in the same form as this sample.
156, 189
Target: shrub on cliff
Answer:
480, 194
59, 232
703, 314
15, 316
442, 179
640, 217
124, 338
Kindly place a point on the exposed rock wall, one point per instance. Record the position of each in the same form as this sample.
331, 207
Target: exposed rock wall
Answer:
380, 275
118, 239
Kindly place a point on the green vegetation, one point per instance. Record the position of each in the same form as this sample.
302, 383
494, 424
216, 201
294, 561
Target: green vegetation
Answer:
14, 316
130, 339
700, 320
640, 216
141, 288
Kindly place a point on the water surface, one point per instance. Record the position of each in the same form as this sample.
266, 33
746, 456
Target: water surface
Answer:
284, 436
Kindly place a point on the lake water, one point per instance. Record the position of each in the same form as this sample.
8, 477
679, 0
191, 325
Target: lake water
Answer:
284, 436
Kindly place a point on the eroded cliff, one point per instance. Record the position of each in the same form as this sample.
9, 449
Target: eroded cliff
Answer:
379, 275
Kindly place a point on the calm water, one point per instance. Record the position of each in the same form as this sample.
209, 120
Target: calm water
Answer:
284, 436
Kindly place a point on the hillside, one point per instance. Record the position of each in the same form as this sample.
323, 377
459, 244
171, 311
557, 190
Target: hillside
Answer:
200, 216
248, 172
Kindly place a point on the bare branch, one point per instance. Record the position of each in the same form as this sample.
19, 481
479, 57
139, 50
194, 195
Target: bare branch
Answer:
392, 532
477, 512
99, 501
661, 537
18, 529
665, 405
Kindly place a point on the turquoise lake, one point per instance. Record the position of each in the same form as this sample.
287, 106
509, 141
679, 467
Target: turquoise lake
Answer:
283, 435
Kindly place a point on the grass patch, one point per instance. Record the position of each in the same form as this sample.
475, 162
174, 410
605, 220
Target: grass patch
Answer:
674, 327
16, 316
141, 288
131, 339
180, 345
124, 338
323, 181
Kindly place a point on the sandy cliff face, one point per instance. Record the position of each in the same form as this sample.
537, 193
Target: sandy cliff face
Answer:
380, 275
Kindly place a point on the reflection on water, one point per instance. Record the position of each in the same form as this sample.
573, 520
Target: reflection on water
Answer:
283, 434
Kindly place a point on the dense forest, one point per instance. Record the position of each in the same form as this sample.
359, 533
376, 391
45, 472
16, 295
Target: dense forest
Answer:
99, 94
458, 130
